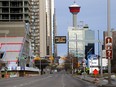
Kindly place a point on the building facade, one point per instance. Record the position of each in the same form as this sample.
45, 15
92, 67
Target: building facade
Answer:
29, 24
50, 25
78, 39
14, 10
41, 27
39, 15
14, 18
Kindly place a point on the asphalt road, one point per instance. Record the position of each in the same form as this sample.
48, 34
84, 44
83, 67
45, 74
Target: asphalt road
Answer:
51, 80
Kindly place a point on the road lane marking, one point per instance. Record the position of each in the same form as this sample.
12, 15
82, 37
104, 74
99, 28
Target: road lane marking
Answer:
63, 84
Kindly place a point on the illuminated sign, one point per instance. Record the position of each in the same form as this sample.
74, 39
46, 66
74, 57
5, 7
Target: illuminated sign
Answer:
60, 39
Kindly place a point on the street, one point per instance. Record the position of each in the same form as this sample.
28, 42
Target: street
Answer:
52, 80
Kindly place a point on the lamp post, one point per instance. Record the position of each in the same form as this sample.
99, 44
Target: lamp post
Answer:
108, 30
109, 58
84, 65
72, 64
40, 67
101, 68
100, 58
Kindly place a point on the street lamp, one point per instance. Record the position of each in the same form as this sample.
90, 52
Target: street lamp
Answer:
72, 64
108, 30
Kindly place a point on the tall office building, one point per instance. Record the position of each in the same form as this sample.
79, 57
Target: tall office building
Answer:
41, 27
14, 18
89, 42
14, 10
35, 30
15, 33
79, 39
50, 24
25, 22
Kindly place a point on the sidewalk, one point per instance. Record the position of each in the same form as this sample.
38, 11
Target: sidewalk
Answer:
100, 82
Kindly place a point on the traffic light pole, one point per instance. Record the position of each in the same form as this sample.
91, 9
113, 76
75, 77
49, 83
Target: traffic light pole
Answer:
101, 68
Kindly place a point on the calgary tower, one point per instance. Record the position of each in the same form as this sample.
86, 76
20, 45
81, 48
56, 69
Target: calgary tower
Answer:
74, 9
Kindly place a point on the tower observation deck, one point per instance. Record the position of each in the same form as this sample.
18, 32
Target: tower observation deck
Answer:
74, 9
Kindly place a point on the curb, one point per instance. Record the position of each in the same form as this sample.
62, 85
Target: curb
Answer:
91, 81
107, 86
96, 82
87, 80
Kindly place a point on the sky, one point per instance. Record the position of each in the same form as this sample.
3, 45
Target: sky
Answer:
92, 12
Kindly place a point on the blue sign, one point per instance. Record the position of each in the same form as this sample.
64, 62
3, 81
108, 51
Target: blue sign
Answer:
92, 56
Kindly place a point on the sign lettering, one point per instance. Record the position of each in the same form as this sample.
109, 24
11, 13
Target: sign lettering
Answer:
60, 39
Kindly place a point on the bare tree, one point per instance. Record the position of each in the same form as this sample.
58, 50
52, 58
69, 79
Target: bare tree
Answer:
71, 62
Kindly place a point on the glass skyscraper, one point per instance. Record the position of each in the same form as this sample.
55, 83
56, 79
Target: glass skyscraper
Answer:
78, 39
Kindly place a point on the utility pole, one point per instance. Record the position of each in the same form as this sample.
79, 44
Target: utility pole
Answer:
101, 68
108, 42
72, 64
98, 51
108, 30
54, 34
100, 55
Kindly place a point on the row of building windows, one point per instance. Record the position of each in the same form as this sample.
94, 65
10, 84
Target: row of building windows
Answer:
13, 10
13, 3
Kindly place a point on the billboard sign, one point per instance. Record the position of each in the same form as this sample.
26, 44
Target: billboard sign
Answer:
60, 39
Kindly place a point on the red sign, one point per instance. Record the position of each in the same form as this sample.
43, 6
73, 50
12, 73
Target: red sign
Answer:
108, 40
108, 47
109, 53
95, 72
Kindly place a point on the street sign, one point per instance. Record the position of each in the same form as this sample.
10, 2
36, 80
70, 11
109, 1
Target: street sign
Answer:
108, 47
108, 40
95, 72
109, 53
60, 39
